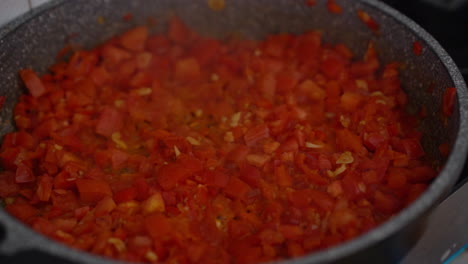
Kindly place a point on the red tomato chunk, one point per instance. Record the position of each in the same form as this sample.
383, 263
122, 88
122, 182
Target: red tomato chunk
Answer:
177, 148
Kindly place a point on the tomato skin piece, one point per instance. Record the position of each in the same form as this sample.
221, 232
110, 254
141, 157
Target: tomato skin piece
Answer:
448, 101
93, 190
32, 82
109, 121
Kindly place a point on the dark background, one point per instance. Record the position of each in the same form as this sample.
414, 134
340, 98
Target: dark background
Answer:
448, 25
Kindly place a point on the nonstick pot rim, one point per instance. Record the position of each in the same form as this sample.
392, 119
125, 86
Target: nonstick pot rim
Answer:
438, 189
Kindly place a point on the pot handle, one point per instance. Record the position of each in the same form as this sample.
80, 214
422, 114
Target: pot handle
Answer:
18, 245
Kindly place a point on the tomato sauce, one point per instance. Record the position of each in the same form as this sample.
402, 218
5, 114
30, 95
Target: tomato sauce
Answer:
179, 148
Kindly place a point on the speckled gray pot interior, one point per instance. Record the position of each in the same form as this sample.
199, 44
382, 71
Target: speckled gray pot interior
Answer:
34, 39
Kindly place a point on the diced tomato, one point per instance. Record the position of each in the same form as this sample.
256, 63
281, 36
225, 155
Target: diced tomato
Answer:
104, 206
256, 134
353, 186
346, 140
333, 66
21, 211
114, 55
412, 148
216, 178
308, 46
118, 158
157, 225
110, 121
206, 51
142, 188
282, 176
237, 189
24, 174
93, 190
386, 203
286, 81
303, 198
8, 185
374, 140
350, 101
19, 139
250, 174
44, 188
178, 31
276, 45
125, 195
369, 21
333, 7
421, 174
170, 175
449, 101
2, 101
417, 48
63, 180
187, 70
134, 39
32, 82
444, 149
81, 212
99, 75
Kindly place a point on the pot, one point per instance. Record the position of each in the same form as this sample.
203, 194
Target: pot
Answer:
34, 39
